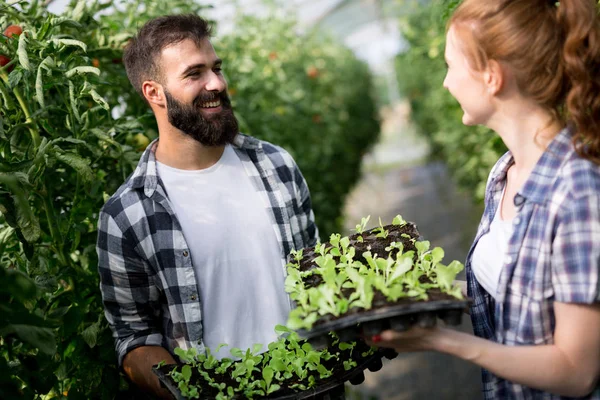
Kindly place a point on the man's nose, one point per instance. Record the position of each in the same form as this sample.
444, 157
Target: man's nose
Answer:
216, 83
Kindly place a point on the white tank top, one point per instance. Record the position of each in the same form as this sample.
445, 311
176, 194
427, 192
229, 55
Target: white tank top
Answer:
235, 253
488, 256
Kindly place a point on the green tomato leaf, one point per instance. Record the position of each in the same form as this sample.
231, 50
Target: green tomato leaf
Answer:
22, 52
82, 70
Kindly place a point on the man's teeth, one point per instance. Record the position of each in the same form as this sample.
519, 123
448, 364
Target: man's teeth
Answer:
211, 104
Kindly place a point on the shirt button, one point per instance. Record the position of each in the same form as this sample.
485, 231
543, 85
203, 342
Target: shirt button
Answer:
185, 253
508, 259
193, 297
519, 200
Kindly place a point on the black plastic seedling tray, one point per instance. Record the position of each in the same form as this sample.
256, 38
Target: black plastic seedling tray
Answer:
331, 388
400, 315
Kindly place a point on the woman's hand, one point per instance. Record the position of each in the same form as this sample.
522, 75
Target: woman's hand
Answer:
570, 366
414, 339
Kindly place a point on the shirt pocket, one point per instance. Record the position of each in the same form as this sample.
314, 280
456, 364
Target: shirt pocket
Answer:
529, 320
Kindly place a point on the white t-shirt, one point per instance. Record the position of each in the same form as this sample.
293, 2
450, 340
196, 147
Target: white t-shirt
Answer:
488, 255
235, 253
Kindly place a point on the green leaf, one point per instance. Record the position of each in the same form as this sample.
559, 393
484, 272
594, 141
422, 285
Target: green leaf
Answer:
69, 42
445, 275
40, 337
398, 220
6, 97
236, 352
186, 371
90, 334
256, 348
437, 255
78, 10
15, 283
73, 102
99, 99
422, 247
82, 70
26, 219
267, 374
281, 329
402, 267
39, 88
103, 136
79, 164
22, 52
14, 78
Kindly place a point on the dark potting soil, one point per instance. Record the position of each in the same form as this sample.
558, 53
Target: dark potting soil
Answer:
335, 365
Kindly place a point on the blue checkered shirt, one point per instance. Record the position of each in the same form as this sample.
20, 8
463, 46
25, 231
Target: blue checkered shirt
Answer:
553, 255
147, 280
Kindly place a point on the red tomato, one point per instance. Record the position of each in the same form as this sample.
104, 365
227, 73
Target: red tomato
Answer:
4, 60
13, 30
312, 72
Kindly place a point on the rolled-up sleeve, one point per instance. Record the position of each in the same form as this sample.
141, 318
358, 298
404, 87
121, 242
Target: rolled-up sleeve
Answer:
127, 290
308, 227
576, 252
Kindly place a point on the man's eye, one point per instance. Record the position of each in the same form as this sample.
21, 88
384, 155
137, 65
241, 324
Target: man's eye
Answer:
218, 69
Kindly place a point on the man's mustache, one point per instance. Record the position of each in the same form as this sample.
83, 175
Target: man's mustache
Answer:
211, 96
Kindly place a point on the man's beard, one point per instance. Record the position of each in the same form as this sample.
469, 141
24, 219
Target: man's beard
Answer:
216, 130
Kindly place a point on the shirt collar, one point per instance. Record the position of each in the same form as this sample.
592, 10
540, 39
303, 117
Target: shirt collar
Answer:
542, 177
146, 175
539, 184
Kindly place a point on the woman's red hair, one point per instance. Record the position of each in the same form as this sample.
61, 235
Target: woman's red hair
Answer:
552, 49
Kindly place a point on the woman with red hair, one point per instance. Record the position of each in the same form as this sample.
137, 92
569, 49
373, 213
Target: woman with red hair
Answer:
530, 71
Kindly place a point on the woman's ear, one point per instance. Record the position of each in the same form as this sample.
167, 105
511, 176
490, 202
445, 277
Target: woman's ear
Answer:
494, 76
153, 93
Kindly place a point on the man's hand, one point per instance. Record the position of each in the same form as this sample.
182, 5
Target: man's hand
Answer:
138, 363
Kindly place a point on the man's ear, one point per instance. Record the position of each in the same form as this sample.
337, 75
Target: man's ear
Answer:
494, 76
153, 92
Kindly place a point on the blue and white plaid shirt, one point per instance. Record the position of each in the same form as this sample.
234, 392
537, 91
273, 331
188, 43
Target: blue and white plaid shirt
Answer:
553, 255
146, 276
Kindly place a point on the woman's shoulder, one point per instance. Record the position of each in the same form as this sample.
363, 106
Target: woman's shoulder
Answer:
579, 177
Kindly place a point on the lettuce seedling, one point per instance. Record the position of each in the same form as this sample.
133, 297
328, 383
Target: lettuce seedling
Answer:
383, 233
446, 274
360, 228
398, 220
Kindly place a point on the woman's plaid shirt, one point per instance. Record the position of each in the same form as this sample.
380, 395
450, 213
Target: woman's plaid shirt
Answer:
146, 275
553, 255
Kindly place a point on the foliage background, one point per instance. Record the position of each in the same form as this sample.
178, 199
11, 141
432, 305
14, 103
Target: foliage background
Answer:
469, 152
62, 153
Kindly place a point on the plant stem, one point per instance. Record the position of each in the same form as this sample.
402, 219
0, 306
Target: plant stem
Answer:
35, 136
54, 227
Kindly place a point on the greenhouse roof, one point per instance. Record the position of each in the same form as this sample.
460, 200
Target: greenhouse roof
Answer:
369, 27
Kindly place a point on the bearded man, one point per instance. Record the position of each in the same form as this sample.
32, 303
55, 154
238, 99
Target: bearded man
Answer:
192, 248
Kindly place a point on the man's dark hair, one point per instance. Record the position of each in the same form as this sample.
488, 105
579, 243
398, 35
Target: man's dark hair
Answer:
142, 54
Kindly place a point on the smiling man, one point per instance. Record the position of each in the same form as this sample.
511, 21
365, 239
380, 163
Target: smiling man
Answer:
192, 247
